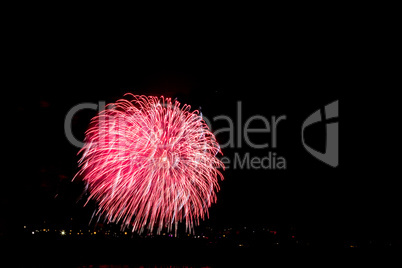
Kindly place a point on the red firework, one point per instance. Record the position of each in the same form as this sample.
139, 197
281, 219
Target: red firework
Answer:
150, 163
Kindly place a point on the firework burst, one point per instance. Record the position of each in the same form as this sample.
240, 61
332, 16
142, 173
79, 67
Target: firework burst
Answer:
150, 164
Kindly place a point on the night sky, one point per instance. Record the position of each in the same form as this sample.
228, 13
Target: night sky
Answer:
359, 199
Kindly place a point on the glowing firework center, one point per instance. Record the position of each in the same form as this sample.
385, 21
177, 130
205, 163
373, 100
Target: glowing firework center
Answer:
150, 163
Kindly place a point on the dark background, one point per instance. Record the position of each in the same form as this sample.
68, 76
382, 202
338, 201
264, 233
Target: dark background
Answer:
357, 201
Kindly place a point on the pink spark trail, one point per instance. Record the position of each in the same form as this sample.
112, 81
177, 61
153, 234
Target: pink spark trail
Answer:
150, 164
